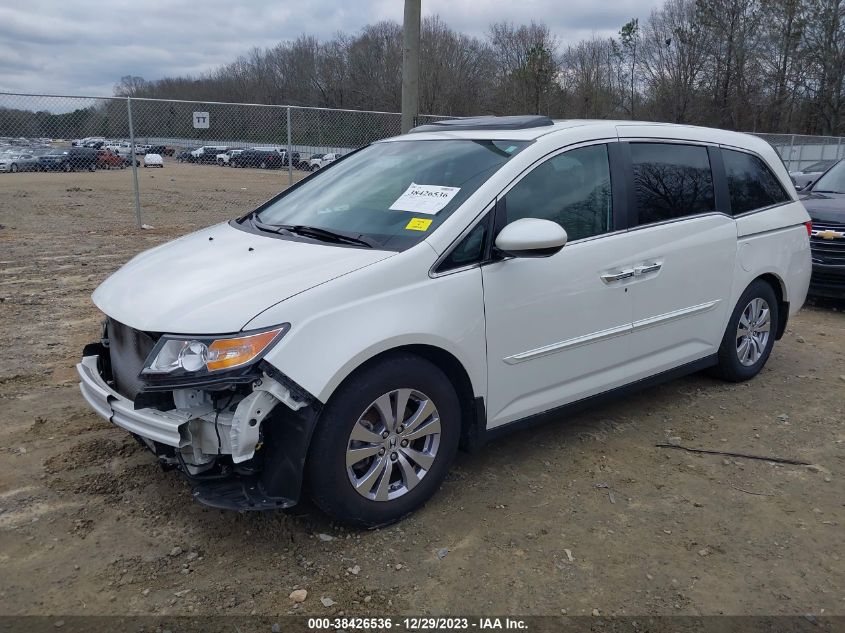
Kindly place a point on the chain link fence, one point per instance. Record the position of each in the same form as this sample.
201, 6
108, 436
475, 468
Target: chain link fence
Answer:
221, 156
270, 146
801, 152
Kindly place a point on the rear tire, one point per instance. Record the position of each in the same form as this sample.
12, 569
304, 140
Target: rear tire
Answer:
750, 335
13, 168
414, 458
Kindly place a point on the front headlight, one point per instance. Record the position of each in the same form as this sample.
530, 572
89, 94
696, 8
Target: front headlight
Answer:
197, 355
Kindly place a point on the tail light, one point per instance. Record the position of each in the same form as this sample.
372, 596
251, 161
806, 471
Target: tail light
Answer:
809, 226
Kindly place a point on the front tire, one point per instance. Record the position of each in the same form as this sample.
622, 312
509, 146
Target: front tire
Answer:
750, 335
384, 442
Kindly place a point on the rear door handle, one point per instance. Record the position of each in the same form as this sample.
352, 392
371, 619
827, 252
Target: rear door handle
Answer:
609, 278
647, 268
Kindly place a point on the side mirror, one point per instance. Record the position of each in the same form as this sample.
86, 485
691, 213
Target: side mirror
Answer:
531, 237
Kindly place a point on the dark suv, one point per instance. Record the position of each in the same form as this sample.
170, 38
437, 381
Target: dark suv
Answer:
263, 159
71, 159
161, 150
825, 202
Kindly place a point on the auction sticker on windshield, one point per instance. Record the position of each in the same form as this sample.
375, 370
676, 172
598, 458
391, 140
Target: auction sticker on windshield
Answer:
428, 199
419, 224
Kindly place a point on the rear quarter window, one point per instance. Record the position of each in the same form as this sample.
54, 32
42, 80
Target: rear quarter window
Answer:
751, 184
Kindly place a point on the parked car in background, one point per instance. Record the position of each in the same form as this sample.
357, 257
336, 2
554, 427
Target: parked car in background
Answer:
142, 149
825, 202
207, 153
106, 159
122, 148
88, 141
153, 160
318, 161
804, 178
73, 159
260, 158
224, 157
185, 157
294, 157
163, 150
474, 277
18, 161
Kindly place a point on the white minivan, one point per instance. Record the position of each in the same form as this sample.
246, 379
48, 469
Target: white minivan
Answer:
438, 289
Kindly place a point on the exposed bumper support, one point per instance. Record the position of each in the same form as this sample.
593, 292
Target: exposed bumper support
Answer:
265, 479
159, 426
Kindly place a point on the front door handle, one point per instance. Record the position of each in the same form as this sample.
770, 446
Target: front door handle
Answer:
609, 278
647, 268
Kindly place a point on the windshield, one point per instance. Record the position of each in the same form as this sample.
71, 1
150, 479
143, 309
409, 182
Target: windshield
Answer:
394, 193
833, 181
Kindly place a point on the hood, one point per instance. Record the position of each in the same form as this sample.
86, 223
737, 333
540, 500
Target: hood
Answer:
218, 279
805, 180
825, 207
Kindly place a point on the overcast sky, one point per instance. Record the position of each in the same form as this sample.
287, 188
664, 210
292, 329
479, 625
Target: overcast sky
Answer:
83, 47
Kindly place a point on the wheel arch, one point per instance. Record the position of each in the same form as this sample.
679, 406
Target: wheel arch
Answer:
472, 407
777, 284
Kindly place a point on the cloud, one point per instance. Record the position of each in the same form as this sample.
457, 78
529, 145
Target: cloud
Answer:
85, 46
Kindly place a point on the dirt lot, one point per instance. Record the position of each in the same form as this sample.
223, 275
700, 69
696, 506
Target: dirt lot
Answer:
582, 515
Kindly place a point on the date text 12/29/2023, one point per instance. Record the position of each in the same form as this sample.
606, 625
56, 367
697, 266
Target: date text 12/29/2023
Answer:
418, 624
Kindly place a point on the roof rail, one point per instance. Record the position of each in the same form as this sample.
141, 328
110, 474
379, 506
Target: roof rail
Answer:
521, 122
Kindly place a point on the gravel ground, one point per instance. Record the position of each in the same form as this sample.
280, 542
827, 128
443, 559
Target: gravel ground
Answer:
577, 516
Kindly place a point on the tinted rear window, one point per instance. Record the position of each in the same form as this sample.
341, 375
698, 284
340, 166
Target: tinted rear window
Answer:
671, 181
751, 184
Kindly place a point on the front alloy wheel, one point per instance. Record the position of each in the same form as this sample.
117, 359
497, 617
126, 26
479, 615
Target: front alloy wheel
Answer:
384, 441
393, 445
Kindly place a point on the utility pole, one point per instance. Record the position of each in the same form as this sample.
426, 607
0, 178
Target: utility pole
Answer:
411, 64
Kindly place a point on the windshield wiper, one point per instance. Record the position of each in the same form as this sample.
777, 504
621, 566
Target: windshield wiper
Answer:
314, 232
327, 235
825, 191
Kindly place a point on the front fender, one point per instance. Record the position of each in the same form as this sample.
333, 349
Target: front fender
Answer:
338, 326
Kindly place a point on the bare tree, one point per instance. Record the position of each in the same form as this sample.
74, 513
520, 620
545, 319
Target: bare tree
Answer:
527, 64
759, 65
673, 60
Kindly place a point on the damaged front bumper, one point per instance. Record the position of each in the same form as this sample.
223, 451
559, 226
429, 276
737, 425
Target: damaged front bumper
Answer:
242, 449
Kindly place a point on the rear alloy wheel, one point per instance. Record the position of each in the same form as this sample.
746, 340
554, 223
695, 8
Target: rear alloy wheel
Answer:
13, 168
384, 442
67, 167
752, 332
263, 165
750, 335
